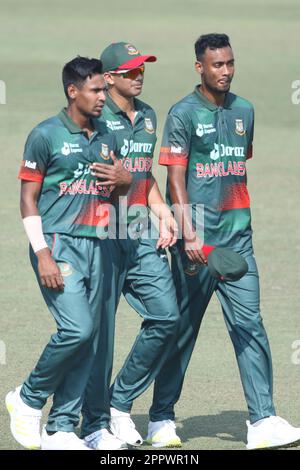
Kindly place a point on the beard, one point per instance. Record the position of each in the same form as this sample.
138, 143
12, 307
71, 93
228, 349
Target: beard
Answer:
215, 90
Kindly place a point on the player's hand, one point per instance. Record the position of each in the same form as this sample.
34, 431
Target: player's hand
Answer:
168, 232
49, 272
193, 249
114, 174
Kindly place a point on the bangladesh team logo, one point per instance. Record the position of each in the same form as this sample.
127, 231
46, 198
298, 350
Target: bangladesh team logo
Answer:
104, 152
65, 269
131, 49
149, 126
239, 127
191, 269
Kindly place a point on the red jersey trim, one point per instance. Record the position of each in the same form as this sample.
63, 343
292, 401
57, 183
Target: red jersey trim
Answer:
171, 159
30, 177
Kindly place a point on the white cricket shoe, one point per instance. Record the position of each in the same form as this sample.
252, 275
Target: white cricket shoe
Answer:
104, 440
24, 420
272, 432
62, 440
163, 434
122, 426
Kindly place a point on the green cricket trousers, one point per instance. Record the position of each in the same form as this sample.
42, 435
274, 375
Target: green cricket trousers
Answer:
149, 289
90, 268
240, 304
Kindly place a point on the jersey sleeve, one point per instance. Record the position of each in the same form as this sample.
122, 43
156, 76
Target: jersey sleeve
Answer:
36, 157
251, 134
176, 141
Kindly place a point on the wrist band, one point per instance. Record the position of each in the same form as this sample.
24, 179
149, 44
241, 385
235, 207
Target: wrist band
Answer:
34, 231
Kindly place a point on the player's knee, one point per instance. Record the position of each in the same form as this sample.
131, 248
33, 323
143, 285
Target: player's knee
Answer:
251, 326
169, 327
85, 334
79, 335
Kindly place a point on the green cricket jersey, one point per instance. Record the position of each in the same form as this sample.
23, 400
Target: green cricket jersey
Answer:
213, 143
58, 154
135, 142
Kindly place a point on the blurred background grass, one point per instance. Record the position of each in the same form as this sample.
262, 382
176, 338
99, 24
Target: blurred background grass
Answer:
36, 38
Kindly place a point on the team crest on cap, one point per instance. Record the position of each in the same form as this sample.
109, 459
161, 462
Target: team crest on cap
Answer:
149, 126
239, 127
131, 49
104, 152
191, 269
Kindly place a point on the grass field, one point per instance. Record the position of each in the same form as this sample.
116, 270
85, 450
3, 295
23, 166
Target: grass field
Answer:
36, 38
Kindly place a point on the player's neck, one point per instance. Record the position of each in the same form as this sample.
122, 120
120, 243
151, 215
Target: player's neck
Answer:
80, 119
216, 98
124, 103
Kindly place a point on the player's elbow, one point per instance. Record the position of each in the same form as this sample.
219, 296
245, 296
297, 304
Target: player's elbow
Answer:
28, 205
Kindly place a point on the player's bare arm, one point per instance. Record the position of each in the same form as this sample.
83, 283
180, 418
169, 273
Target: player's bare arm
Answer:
168, 229
192, 243
49, 272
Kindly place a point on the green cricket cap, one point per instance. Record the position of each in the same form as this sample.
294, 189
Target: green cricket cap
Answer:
226, 265
123, 56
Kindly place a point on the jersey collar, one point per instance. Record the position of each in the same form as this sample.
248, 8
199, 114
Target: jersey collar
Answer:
208, 104
70, 124
115, 108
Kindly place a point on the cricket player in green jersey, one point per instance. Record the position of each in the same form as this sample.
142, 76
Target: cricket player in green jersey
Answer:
62, 206
206, 142
149, 287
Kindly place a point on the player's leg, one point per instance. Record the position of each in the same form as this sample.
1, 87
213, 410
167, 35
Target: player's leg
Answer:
75, 329
240, 303
194, 291
96, 403
149, 289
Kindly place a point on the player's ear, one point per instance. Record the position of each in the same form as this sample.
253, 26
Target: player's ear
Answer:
108, 78
72, 91
198, 67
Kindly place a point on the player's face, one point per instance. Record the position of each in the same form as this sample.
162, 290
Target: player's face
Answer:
90, 97
128, 84
217, 69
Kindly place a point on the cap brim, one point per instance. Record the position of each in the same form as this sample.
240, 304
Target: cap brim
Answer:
137, 62
226, 265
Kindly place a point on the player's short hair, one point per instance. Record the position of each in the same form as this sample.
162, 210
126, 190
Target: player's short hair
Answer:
210, 41
78, 70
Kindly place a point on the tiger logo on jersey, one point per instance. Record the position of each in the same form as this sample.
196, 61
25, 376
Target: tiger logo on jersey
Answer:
104, 152
149, 126
239, 127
